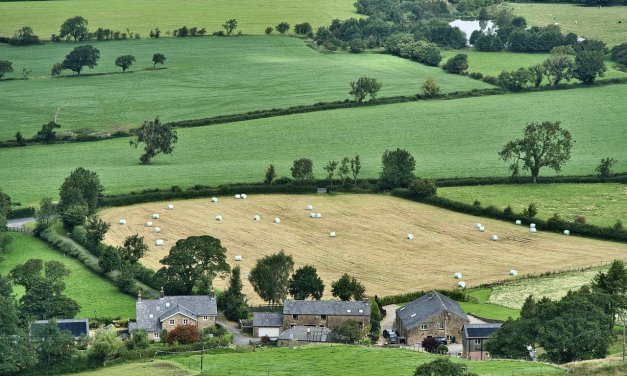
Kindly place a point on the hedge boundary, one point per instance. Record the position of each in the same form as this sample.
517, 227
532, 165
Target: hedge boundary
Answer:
21, 213
410, 296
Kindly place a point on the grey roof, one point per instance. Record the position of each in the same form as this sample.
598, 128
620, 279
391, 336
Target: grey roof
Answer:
426, 306
178, 309
480, 330
195, 305
265, 319
77, 327
306, 333
326, 307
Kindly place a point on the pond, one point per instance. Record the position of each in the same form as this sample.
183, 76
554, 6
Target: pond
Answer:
468, 26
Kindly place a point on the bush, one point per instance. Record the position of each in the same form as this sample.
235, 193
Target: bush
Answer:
79, 235
442, 349
580, 219
183, 334
408, 297
430, 88
508, 210
457, 64
21, 213
75, 215
430, 344
530, 211
421, 188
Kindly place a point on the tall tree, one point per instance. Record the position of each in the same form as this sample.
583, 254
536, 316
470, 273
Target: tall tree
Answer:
5, 67
75, 27
543, 144
305, 282
270, 175
330, 169
133, 249
17, 350
302, 169
81, 186
355, 167
363, 87
347, 288
193, 262
46, 215
96, 229
270, 277
397, 169
558, 67
344, 170
232, 301
53, 346
589, 65
158, 138
124, 61
80, 57
614, 284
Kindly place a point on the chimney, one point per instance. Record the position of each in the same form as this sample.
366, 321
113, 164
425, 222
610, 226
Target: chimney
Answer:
161, 293
139, 295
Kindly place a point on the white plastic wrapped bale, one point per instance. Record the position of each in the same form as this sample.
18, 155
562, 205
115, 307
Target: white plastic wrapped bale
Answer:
214, 199
237, 197
566, 232
332, 234
312, 215
218, 218
477, 226
243, 196
494, 237
457, 275
410, 236
461, 284
257, 218
532, 225
159, 242
122, 221
481, 229
533, 229
277, 220
513, 272
309, 207
156, 229
148, 224
170, 206
155, 216
318, 215
238, 257
518, 222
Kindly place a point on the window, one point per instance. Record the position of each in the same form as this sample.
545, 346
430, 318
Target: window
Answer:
205, 318
156, 335
171, 322
423, 326
295, 317
441, 325
185, 321
324, 317
477, 342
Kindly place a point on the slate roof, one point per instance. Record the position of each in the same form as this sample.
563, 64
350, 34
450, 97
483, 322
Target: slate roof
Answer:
472, 331
325, 307
426, 306
306, 334
77, 327
196, 305
265, 319
179, 309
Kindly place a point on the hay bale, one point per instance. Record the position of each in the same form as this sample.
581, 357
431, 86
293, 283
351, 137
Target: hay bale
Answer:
257, 218
532, 225
122, 221
214, 199
159, 242
410, 236
518, 222
170, 206
481, 229
277, 220
566, 232
219, 218
513, 272
237, 197
309, 207
318, 215
148, 224
461, 284
238, 257
155, 216
312, 215
477, 225
332, 234
494, 237
533, 230
457, 275
156, 229
243, 196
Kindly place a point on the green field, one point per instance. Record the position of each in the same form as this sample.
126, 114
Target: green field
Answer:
447, 138
600, 204
587, 22
493, 63
96, 296
45, 17
343, 360
204, 77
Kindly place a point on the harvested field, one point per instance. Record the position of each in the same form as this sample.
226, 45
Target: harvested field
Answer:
371, 239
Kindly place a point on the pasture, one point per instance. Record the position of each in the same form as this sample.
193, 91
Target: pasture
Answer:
371, 239
587, 22
600, 204
141, 16
204, 77
96, 296
151, 367
447, 138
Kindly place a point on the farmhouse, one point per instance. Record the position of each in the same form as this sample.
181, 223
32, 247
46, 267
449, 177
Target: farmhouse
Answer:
169, 311
324, 314
431, 315
474, 338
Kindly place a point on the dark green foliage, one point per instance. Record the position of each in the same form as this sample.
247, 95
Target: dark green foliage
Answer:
544, 144
75, 27
619, 54
56, 69
230, 25
133, 249
588, 66
530, 212
46, 216
53, 346
330, 169
397, 169
5, 67
270, 277
306, 283
303, 29
556, 221
81, 187
158, 138
421, 188
139, 340
605, 167
430, 88
270, 175
347, 332
457, 64
232, 301
193, 262
355, 167
614, 285
515, 80
96, 229
446, 36
557, 68
75, 215
537, 74
124, 61
443, 367
363, 87
269, 30
19, 138
343, 171
106, 346
282, 27
109, 260
488, 43
302, 169
80, 57
347, 288
158, 58
47, 134
24, 36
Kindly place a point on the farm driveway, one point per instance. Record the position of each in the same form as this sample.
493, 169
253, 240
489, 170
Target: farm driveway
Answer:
388, 320
239, 338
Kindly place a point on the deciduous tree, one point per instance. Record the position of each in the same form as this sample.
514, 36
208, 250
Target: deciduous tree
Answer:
80, 57
605, 167
124, 61
589, 65
348, 287
363, 87
5, 67
158, 58
230, 25
232, 302
330, 169
158, 138
282, 27
302, 169
96, 229
305, 282
457, 64
75, 27
397, 169
443, 366
355, 167
81, 186
270, 277
270, 175
133, 249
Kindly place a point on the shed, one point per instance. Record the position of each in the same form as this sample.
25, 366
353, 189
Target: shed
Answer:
267, 324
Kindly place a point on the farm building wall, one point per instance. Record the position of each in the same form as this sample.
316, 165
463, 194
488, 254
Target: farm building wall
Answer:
326, 321
451, 326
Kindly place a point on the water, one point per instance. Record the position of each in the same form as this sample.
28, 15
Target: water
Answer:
469, 26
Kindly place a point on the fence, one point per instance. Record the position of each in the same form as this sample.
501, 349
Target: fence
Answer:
19, 229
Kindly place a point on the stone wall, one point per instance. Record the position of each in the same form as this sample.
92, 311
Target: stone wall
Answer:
451, 327
322, 320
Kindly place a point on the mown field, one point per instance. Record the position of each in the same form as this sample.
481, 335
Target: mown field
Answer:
447, 138
600, 204
96, 296
588, 22
371, 240
152, 367
493, 63
346, 361
204, 77
141, 16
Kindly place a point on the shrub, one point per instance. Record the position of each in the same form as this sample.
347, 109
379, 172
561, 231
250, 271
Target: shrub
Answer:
430, 88
530, 211
429, 344
605, 167
477, 203
75, 215
269, 30
508, 210
420, 188
183, 334
618, 226
457, 64
556, 221
442, 349
580, 219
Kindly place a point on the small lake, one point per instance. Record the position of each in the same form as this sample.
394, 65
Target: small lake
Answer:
471, 25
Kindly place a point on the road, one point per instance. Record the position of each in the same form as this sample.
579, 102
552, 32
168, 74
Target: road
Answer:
239, 338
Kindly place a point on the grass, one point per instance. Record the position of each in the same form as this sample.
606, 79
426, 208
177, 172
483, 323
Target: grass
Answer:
204, 77
96, 296
487, 310
493, 63
388, 265
46, 17
600, 204
343, 360
152, 367
447, 138
587, 22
